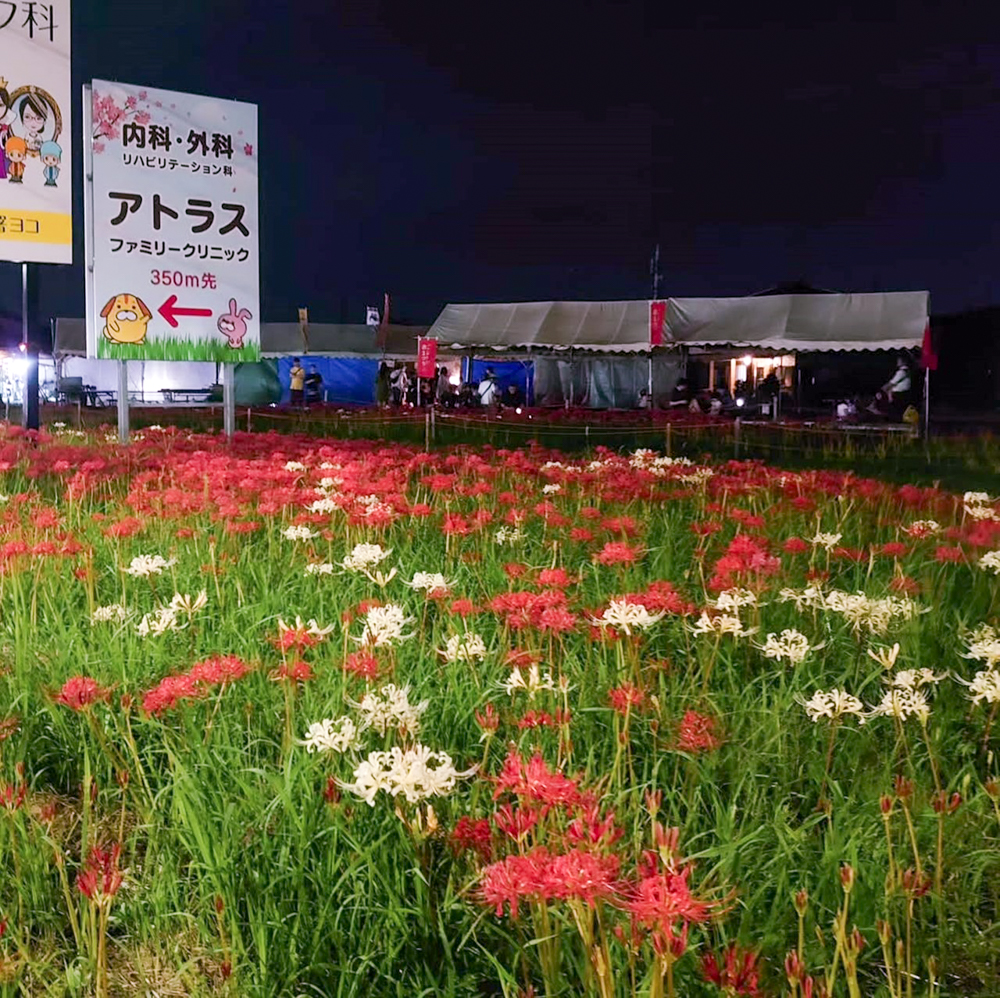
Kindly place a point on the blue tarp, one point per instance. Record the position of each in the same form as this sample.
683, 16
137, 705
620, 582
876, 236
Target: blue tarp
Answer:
505, 372
345, 379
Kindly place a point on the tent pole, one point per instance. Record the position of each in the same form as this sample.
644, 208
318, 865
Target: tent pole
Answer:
651, 405
927, 403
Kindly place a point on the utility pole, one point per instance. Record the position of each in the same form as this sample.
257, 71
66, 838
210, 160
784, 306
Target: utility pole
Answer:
654, 271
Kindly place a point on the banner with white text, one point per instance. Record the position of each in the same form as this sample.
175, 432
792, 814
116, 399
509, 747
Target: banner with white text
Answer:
36, 176
175, 246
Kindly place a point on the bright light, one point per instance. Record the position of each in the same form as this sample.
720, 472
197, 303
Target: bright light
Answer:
23, 347
741, 401
455, 379
747, 361
518, 410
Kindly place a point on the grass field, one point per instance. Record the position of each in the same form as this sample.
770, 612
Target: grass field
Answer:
297, 717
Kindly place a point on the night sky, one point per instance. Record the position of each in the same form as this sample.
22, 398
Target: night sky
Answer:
471, 152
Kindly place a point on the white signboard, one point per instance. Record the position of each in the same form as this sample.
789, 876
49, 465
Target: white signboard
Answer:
372, 318
36, 190
174, 216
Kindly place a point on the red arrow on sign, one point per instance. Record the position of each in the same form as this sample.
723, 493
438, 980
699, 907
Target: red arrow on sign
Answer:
170, 309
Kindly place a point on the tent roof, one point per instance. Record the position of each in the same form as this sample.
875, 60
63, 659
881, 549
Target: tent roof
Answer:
284, 338
784, 322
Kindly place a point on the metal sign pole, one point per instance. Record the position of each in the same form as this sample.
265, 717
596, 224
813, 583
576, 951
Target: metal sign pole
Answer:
229, 399
927, 403
123, 401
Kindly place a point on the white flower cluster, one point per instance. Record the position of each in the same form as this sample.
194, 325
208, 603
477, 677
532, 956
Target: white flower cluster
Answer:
372, 505
983, 643
431, 581
902, 702
417, 773
365, 556
144, 565
464, 648
324, 505
719, 624
294, 466
532, 683
509, 535
175, 616
791, 646
384, 626
985, 686
298, 532
923, 528
697, 477
391, 708
114, 613
628, 616
859, 610
990, 562
730, 600
827, 541
979, 506
833, 704
551, 489
331, 736
319, 568
649, 460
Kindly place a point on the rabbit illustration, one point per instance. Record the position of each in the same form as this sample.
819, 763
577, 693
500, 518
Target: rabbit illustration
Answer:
233, 325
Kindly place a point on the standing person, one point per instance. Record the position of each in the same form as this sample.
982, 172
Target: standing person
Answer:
382, 386
487, 390
400, 383
297, 382
897, 388
442, 389
314, 385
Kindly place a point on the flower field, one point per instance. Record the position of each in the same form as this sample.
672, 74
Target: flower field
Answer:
295, 717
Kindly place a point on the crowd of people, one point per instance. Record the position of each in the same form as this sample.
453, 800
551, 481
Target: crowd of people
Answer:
397, 385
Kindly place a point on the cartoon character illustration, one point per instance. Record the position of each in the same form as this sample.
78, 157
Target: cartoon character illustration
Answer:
125, 318
51, 153
233, 325
17, 150
33, 114
4, 128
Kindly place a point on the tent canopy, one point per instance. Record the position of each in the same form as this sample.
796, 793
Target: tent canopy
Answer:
279, 339
781, 322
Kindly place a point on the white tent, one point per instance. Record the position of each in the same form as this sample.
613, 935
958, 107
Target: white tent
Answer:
786, 323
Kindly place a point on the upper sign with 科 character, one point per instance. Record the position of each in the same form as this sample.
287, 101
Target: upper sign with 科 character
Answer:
174, 215
36, 192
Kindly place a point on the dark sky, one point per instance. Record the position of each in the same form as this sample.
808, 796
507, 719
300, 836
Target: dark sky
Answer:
479, 152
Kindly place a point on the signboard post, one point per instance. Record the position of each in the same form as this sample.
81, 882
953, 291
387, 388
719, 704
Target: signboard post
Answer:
172, 248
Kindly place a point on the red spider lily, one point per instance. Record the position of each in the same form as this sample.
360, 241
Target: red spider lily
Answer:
705, 528
125, 527
516, 822
80, 692
295, 671
592, 830
514, 570
462, 607
913, 885
663, 902
194, 684
100, 878
362, 664
581, 534
9, 727
472, 834
535, 719
12, 797
541, 876
489, 719
618, 553
533, 781
943, 804
626, 698
894, 549
945, 554
557, 578
697, 733
624, 525
904, 584
736, 973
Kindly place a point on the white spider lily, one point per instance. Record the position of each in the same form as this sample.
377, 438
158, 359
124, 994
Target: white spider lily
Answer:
430, 581
331, 736
464, 648
144, 565
365, 556
985, 686
389, 708
827, 541
833, 704
416, 773
298, 532
532, 684
384, 626
628, 616
791, 646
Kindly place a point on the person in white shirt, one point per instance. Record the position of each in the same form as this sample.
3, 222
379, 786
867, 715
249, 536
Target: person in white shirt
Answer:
898, 386
487, 389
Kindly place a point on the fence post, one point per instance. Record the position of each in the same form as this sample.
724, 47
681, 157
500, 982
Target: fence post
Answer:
736, 437
670, 434
427, 431
433, 424
586, 434
248, 419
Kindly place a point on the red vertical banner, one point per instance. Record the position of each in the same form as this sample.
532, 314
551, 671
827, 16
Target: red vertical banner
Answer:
657, 320
427, 351
928, 356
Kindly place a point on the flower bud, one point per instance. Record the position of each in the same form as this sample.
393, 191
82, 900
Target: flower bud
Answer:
885, 803
847, 877
801, 902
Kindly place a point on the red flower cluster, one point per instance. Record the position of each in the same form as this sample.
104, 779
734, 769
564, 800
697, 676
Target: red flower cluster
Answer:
80, 692
100, 878
697, 733
194, 684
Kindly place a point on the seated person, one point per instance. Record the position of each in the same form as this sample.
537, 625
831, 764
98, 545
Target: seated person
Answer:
682, 395
645, 402
512, 397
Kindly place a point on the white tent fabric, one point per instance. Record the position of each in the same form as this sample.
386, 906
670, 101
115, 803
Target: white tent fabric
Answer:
889, 321
612, 326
